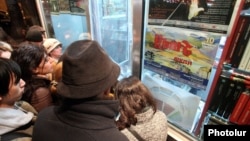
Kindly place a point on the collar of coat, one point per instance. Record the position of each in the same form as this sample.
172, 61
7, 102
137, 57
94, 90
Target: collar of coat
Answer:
99, 114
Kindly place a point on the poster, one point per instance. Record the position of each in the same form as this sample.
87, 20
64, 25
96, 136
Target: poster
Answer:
210, 15
186, 55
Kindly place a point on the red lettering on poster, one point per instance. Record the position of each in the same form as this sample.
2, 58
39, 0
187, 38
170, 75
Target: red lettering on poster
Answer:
182, 61
162, 43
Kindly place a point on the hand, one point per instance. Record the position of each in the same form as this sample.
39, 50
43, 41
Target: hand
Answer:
193, 9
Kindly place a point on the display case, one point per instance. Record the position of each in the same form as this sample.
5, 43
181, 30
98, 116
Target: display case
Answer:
181, 56
106, 21
175, 54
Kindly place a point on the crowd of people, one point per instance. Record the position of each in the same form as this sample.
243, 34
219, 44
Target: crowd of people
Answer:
47, 94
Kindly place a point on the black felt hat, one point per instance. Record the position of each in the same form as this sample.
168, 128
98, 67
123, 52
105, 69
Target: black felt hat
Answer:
87, 70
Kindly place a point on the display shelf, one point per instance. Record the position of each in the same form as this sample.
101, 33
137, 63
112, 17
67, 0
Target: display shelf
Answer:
175, 134
217, 120
224, 55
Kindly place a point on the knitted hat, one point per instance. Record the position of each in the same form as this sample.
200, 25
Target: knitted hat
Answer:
50, 44
87, 70
34, 36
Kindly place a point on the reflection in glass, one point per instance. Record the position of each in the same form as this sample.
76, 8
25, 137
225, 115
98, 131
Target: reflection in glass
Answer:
111, 27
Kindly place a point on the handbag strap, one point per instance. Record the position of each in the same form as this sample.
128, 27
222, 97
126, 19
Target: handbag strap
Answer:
135, 134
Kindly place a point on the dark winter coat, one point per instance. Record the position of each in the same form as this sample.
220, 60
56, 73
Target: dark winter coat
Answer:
87, 121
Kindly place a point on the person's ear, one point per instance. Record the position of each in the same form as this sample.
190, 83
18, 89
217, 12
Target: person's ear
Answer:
107, 95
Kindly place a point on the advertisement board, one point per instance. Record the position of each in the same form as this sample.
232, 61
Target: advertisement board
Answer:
186, 55
210, 15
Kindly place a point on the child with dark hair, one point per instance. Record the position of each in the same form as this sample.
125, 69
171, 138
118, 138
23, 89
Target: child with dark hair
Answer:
14, 121
139, 117
35, 65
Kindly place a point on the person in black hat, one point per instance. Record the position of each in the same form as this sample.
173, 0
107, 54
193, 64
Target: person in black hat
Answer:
34, 37
38, 28
88, 110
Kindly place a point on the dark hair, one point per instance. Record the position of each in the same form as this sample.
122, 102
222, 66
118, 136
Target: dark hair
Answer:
29, 57
134, 98
9, 71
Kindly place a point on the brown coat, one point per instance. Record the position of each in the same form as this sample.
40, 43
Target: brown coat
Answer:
37, 93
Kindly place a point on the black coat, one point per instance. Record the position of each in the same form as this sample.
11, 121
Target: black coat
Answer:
87, 121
